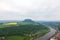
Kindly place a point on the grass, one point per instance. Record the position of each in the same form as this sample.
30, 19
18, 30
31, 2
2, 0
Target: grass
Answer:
4, 26
15, 38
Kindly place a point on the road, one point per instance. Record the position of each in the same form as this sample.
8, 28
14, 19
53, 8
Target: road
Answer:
48, 35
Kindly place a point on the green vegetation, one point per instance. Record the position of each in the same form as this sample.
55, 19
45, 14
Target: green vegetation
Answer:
57, 27
23, 31
28, 23
15, 38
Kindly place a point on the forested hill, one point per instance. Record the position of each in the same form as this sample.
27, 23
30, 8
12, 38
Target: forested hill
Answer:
23, 29
28, 20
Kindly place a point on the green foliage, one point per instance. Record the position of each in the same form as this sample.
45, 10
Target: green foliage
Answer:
24, 29
15, 38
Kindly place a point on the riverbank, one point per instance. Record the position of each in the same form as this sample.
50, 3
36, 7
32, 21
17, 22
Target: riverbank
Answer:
48, 35
53, 36
56, 36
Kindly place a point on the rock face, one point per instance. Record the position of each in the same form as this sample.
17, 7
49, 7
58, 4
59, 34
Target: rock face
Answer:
58, 36
28, 20
53, 39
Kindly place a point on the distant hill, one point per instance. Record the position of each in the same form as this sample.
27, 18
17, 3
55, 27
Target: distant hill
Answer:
28, 20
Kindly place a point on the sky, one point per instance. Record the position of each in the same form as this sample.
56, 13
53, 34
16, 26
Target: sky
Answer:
44, 10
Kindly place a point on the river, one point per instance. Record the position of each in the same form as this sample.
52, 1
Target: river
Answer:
48, 35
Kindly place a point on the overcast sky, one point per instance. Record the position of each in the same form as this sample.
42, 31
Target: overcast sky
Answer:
47, 10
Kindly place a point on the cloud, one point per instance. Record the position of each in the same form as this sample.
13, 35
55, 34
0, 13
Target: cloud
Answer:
34, 9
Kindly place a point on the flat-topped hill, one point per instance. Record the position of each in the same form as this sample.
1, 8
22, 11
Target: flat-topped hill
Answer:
28, 20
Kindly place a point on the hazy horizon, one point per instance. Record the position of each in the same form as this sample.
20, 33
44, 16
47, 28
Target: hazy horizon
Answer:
44, 10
